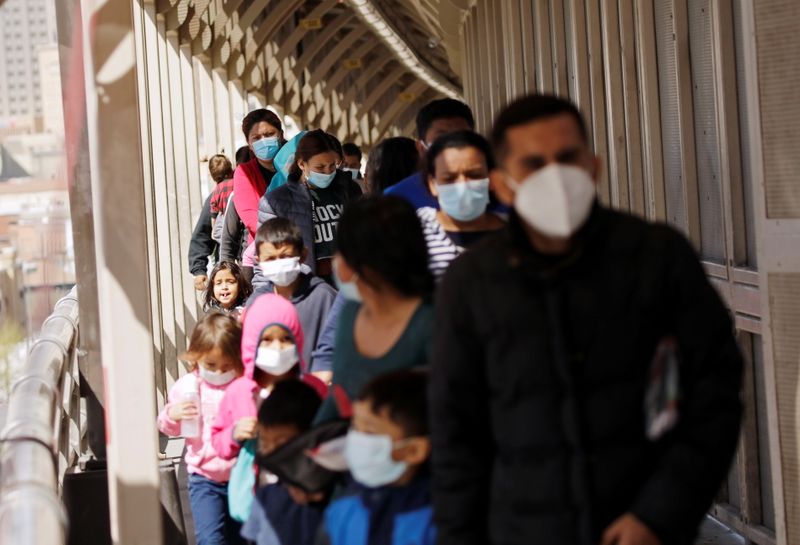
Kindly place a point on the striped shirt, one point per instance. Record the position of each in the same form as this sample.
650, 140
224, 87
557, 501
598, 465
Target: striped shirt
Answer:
441, 249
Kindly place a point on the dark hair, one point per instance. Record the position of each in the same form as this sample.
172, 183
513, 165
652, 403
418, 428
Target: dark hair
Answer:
532, 108
443, 108
349, 148
257, 116
404, 394
392, 160
220, 168
458, 140
313, 143
243, 155
215, 330
245, 289
382, 236
291, 403
279, 232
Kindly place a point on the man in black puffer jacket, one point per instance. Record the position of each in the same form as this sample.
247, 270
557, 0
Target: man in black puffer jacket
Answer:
585, 377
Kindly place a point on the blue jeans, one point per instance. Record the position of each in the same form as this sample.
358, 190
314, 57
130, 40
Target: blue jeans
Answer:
212, 523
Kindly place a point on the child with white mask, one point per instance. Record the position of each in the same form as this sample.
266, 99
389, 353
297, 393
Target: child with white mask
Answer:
387, 451
281, 257
272, 344
214, 360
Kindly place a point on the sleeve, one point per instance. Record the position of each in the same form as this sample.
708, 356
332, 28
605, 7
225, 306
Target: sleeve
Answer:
202, 245
166, 425
230, 238
222, 431
322, 356
245, 197
676, 497
460, 427
215, 201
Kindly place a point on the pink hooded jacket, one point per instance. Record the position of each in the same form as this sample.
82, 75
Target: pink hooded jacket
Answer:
201, 458
240, 399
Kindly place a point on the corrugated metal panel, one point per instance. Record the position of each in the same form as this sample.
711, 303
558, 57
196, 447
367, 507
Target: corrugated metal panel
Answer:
744, 131
670, 122
777, 24
784, 303
712, 235
762, 423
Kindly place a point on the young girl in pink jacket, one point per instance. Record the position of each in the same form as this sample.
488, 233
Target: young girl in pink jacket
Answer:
272, 344
214, 359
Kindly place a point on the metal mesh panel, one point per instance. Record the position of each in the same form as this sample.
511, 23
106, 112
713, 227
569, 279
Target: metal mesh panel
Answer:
670, 124
709, 183
762, 423
744, 133
778, 41
784, 303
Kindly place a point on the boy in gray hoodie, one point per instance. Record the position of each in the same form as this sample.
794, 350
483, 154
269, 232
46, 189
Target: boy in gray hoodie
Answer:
281, 257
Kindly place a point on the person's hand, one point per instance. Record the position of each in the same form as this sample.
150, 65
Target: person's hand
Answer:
200, 282
245, 429
628, 530
301, 497
180, 411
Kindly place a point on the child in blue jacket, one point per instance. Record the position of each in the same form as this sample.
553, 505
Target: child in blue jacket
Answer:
387, 451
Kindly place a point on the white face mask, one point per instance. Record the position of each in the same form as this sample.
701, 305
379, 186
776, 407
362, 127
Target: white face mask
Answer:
556, 200
283, 272
217, 378
276, 362
369, 458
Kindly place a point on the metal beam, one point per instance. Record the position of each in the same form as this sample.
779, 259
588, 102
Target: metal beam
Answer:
371, 69
288, 46
333, 81
321, 40
120, 235
336, 54
404, 100
381, 89
283, 12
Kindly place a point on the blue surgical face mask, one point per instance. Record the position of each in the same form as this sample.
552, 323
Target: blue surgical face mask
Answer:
320, 180
266, 148
464, 201
369, 458
349, 289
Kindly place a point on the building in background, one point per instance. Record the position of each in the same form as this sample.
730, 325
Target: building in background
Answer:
24, 26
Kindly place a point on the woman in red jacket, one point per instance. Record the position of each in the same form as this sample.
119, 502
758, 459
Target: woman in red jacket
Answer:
264, 133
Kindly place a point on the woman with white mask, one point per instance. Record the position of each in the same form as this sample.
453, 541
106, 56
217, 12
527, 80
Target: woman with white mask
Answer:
386, 323
313, 197
458, 166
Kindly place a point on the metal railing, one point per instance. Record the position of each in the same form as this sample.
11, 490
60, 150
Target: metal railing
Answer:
43, 434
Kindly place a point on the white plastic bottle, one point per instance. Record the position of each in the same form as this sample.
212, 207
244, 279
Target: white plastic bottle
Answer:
190, 427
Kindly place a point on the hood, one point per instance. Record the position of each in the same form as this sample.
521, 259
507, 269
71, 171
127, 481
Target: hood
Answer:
268, 309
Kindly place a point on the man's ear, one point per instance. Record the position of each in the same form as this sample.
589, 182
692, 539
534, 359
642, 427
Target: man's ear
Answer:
343, 270
304, 255
499, 186
432, 187
420, 148
415, 452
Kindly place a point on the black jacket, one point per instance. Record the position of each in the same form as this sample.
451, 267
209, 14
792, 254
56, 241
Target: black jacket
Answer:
202, 245
539, 376
293, 201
